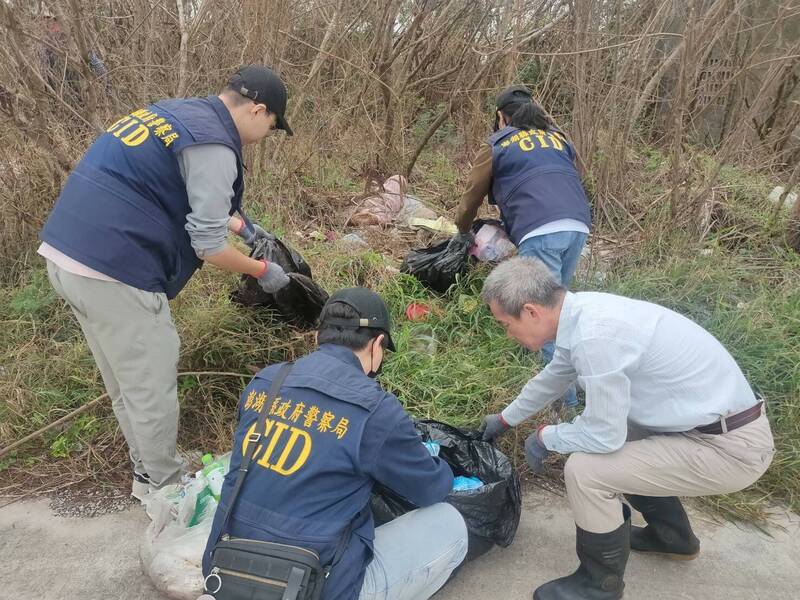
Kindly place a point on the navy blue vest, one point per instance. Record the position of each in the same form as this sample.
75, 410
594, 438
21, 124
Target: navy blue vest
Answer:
309, 479
123, 209
534, 180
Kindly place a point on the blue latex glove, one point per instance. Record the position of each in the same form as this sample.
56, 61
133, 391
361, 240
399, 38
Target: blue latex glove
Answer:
535, 453
273, 278
462, 483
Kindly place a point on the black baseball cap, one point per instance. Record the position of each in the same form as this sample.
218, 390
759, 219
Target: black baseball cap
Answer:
263, 85
515, 94
370, 307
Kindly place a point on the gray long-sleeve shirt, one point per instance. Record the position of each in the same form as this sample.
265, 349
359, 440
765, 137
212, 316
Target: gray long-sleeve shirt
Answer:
209, 171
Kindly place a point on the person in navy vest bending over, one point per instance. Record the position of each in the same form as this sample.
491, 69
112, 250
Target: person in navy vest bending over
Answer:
330, 435
527, 168
152, 199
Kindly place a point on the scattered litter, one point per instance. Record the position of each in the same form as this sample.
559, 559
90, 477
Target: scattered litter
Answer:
353, 240
422, 340
777, 192
440, 225
383, 207
463, 484
414, 209
417, 311
171, 550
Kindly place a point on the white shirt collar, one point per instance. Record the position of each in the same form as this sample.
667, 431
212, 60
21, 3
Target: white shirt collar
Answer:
566, 320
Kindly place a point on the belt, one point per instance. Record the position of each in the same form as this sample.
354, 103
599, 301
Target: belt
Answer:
731, 422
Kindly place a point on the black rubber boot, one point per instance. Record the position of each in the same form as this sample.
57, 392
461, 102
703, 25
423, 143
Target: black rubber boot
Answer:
603, 558
668, 532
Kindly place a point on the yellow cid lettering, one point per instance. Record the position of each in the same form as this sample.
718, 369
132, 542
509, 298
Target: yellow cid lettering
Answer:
304, 452
540, 136
555, 141
526, 144
297, 442
273, 431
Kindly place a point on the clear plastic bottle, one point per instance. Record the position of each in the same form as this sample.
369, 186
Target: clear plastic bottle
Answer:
214, 472
423, 340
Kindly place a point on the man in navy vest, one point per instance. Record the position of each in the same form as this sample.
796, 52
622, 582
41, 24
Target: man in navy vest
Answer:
330, 435
151, 200
527, 168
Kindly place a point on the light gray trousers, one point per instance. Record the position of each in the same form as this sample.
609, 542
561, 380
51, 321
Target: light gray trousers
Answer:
135, 345
415, 554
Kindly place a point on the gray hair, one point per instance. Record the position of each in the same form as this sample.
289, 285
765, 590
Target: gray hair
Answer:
519, 281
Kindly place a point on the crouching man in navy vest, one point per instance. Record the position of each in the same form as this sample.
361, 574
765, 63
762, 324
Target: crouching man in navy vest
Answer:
151, 200
527, 168
329, 436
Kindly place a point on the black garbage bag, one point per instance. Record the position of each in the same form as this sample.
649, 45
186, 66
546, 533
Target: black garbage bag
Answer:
300, 301
437, 266
491, 512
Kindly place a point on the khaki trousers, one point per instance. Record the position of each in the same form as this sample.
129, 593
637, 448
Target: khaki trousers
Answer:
667, 464
135, 345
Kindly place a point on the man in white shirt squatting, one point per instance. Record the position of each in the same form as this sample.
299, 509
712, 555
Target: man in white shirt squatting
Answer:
643, 367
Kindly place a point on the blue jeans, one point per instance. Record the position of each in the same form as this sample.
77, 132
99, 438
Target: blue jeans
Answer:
415, 554
560, 252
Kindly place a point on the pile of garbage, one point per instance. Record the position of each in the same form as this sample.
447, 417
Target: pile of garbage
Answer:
172, 548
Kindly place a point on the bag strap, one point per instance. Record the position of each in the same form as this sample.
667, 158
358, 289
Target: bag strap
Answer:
252, 442
340, 547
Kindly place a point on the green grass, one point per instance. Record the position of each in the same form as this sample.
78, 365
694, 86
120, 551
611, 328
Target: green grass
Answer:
746, 293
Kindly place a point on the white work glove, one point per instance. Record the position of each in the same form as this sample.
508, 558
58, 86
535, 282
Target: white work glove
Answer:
273, 278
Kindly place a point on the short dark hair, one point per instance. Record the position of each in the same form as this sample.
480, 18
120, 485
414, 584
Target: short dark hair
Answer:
235, 97
526, 115
355, 339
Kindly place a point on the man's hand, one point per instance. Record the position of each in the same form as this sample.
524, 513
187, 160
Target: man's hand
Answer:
461, 239
535, 451
493, 427
273, 278
252, 234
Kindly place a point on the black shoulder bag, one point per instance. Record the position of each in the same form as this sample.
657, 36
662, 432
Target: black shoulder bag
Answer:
244, 569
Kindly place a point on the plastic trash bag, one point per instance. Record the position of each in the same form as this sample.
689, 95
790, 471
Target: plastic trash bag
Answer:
172, 548
491, 512
492, 243
299, 302
436, 266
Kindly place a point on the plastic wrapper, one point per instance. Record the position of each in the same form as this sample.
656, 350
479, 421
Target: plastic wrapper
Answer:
492, 243
300, 302
437, 266
491, 512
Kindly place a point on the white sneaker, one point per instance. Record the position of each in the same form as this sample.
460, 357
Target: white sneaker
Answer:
141, 486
